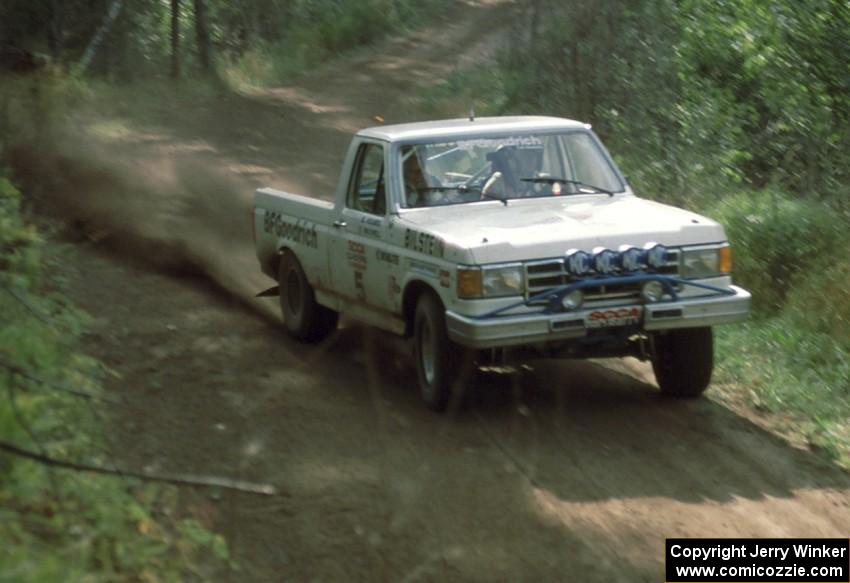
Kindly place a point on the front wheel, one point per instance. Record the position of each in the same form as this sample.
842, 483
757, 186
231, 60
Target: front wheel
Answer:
683, 361
439, 361
303, 317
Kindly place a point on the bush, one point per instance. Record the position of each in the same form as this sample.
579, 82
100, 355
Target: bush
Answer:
820, 303
59, 525
779, 242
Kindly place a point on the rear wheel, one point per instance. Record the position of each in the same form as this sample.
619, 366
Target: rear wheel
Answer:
439, 361
683, 361
303, 317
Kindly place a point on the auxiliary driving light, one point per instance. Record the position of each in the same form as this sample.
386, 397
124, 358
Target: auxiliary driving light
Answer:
652, 291
630, 257
604, 260
656, 255
573, 300
578, 262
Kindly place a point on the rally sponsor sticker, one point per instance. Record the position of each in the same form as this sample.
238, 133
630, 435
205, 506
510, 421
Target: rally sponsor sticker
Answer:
614, 317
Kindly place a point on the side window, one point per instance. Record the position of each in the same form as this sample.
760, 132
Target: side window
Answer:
366, 190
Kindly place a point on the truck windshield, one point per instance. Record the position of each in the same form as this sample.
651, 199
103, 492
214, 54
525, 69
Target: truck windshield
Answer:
513, 166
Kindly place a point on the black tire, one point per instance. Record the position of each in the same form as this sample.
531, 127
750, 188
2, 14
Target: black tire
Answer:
303, 317
439, 361
683, 361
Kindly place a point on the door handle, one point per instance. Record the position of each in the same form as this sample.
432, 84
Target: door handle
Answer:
340, 224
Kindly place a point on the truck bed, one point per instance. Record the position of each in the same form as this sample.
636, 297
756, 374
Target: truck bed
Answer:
297, 205
286, 219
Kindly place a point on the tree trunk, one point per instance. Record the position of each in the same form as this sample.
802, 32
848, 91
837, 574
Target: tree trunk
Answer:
102, 31
203, 36
55, 28
175, 39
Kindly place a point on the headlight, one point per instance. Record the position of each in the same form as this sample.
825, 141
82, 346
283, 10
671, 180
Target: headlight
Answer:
573, 300
502, 281
490, 282
652, 291
705, 262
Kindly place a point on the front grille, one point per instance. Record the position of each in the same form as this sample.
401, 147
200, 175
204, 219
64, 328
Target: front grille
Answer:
548, 273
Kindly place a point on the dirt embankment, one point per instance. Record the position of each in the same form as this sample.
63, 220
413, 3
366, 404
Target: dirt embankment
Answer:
574, 471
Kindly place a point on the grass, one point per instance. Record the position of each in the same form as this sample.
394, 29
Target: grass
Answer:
801, 377
792, 358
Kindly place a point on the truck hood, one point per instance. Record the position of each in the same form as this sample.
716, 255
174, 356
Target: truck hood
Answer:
536, 228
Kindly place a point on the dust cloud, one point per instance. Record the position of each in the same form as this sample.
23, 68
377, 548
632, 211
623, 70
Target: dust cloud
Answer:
170, 209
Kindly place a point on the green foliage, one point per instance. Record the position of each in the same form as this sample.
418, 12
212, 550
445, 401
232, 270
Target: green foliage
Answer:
696, 96
794, 357
18, 242
820, 302
484, 88
58, 525
780, 242
784, 368
255, 42
317, 30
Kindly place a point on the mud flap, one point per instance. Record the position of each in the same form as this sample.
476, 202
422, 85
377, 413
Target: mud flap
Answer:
269, 293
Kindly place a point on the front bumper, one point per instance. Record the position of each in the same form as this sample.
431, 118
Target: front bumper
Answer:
497, 330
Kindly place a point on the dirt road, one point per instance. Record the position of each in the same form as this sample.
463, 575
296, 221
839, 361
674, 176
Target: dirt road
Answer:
574, 471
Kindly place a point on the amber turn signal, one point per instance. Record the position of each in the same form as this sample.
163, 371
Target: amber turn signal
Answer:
725, 263
469, 283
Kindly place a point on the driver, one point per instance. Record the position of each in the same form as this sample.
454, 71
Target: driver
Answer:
518, 163
416, 184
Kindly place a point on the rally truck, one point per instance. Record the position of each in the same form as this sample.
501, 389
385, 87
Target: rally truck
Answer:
483, 239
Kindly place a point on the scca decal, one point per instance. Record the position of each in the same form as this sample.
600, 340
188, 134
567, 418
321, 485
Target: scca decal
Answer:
300, 232
424, 243
615, 317
356, 255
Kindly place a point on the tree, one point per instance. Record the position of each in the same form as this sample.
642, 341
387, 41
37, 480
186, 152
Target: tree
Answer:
175, 39
55, 32
203, 36
102, 31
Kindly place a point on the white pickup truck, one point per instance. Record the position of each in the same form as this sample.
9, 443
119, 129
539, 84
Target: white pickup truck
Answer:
483, 238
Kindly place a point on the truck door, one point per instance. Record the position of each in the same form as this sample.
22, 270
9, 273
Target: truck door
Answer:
358, 271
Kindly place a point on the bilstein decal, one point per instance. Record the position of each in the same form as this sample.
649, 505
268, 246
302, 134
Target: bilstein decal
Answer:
424, 243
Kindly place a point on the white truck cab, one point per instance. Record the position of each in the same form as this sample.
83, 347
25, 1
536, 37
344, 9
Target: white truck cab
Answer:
475, 236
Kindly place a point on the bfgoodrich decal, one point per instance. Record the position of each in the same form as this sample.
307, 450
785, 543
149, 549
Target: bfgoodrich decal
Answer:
299, 232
